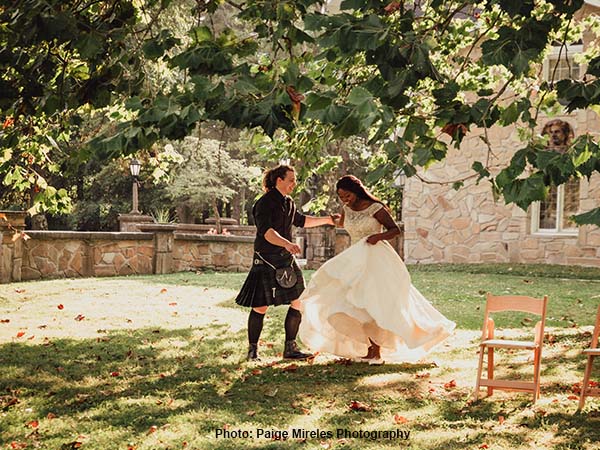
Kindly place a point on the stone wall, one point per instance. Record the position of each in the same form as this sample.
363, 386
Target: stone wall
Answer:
198, 251
61, 254
469, 225
12, 224
51, 254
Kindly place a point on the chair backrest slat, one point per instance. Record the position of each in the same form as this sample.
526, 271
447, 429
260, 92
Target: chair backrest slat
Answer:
516, 303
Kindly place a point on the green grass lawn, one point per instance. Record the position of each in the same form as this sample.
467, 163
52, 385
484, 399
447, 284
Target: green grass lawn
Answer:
157, 362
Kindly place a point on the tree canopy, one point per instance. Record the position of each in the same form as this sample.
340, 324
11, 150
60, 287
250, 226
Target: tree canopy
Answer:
400, 74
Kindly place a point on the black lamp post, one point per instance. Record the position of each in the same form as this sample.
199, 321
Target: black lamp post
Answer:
134, 168
399, 182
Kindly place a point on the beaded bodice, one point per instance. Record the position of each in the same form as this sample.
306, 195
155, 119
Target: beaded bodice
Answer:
360, 224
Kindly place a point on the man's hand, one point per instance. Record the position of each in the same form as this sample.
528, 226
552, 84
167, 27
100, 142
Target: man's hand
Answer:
294, 249
335, 218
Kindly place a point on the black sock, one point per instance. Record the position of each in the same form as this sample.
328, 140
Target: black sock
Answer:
255, 326
292, 323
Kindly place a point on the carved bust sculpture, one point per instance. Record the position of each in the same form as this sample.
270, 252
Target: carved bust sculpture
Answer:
560, 134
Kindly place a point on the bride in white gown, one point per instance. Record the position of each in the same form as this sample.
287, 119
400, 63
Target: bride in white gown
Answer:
361, 303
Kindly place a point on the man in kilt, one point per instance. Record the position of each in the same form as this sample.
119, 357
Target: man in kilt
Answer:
274, 214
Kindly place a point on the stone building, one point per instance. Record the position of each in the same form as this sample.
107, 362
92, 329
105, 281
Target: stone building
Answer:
469, 225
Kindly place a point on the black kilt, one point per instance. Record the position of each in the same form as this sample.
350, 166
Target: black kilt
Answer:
261, 288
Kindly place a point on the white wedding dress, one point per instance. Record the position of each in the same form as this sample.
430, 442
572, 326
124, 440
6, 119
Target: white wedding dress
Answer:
366, 292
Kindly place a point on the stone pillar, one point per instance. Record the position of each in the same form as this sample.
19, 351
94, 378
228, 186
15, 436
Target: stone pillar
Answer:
132, 222
11, 251
164, 237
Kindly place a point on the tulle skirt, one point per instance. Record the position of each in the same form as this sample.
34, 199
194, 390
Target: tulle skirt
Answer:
366, 292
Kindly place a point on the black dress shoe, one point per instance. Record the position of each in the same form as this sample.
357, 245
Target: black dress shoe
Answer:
253, 353
291, 351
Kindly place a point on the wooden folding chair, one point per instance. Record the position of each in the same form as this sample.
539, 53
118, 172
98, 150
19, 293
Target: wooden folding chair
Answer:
525, 304
592, 352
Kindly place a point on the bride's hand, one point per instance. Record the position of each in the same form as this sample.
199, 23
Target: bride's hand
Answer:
373, 239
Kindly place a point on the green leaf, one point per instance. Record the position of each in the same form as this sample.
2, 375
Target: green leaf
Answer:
523, 192
359, 95
416, 127
482, 171
152, 49
89, 46
200, 34
510, 114
589, 218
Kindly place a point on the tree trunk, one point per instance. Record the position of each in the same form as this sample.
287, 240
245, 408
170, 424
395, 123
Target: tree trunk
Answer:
217, 215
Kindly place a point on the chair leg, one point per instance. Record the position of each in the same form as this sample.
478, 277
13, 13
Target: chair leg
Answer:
490, 371
537, 359
479, 370
586, 380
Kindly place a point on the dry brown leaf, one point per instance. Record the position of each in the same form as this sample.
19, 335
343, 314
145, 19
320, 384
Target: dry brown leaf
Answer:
399, 420
450, 384
359, 406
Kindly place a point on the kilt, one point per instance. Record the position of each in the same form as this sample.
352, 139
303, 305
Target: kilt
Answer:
261, 288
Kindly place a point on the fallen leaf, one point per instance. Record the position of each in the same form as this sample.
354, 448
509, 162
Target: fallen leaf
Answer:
5, 321
573, 397
450, 384
290, 368
15, 444
422, 375
358, 406
61, 306
20, 334
79, 317
33, 424
50, 416
115, 374
163, 290
152, 429
500, 420
399, 420
256, 372
173, 304
484, 446
19, 291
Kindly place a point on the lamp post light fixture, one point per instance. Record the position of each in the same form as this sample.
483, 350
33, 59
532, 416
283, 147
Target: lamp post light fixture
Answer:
134, 168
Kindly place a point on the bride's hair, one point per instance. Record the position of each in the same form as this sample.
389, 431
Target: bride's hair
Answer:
352, 184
